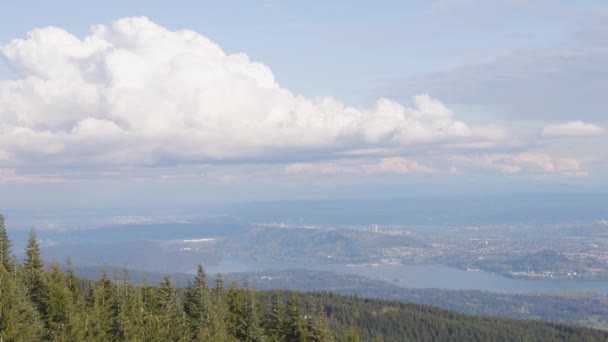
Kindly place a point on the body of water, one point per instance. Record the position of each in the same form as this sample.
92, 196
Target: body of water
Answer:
421, 276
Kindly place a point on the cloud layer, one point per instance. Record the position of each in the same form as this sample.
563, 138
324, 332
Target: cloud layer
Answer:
135, 93
572, 129
392, 165
538, 164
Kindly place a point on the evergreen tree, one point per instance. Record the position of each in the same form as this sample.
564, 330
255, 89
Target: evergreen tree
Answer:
6, 258
318, 328
219, 290
64, 319
34, 275
76, 316
243, 316
120, 311
59, 297
72, 281
235, 321
251, 318
294, 323
147, 300
275, 320
219, 313
103, 311
125, 307
131, 316
197, 306
171, 316
19, 319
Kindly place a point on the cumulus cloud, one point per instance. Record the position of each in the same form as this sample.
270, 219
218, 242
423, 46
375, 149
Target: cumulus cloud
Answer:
392, 165
572, 129
540, 164
136, 93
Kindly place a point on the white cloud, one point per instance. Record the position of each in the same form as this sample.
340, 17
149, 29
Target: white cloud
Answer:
393, 165
539, 164
135, 93
572, 129
10, 176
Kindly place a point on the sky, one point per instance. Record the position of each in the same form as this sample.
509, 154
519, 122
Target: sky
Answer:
156, 104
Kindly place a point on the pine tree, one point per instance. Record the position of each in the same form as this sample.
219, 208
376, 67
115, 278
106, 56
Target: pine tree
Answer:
171, 316
64, 319
71, 280
251, 318
318, 327
243, 316
103, 311
120, 311
219, 312
34, 275
275, 320
6, 258
197, 306
130, 317
59, 296
19, 320
147, 300
235, 321
219, 290
134, 321
76, 316
294, 324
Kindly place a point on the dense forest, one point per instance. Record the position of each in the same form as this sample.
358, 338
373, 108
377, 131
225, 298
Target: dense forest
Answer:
41, 302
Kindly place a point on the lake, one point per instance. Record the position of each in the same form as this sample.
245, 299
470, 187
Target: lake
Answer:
421, 276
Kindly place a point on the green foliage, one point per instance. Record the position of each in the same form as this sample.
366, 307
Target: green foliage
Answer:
274, 323
6, 258
391, 321
37, 304
353, 335
295, 325
19, 319
169, 312
318, 327
103, 311
34, 276
198, 308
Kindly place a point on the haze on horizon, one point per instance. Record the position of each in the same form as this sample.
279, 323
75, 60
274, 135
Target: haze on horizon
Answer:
202, 102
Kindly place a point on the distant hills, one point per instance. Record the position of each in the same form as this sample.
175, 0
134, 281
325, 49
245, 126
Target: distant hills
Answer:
41, 302
590, 310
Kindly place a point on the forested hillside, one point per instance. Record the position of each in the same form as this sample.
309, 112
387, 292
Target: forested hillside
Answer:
49, 303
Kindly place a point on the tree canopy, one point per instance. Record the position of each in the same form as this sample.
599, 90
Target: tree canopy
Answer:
41, 302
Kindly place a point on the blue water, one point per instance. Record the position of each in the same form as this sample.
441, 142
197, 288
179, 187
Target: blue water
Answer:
422, 276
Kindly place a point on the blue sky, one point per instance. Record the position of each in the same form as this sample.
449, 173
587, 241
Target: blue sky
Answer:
114, 103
